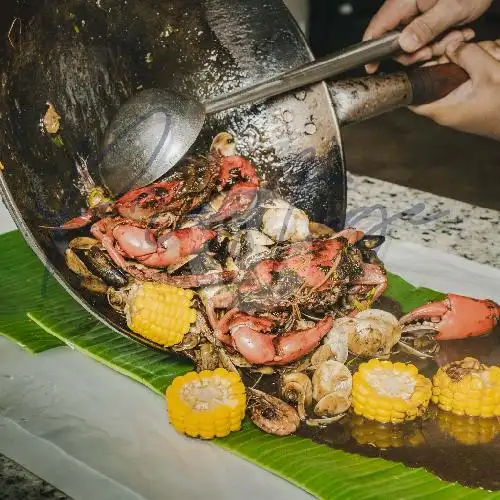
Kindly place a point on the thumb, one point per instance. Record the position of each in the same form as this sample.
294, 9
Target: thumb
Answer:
426, 27
473, 59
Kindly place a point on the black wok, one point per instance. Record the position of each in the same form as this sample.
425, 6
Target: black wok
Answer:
87, 57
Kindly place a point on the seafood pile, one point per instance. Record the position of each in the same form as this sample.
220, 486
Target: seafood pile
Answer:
211, 264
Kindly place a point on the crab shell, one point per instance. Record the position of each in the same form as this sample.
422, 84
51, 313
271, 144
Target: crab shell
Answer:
459, 317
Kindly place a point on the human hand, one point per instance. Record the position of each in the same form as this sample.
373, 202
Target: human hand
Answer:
425, 20
474, 107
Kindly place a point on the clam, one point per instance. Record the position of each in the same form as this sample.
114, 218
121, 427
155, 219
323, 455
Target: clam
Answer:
331, 377
373, 332
332, 404
271, 414
337, 339
297, 388
322, 353
284, 222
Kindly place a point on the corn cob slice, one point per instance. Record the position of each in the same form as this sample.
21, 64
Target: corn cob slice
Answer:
159, 312
383, 436
468, 387
468, 430
207, 404
390, 392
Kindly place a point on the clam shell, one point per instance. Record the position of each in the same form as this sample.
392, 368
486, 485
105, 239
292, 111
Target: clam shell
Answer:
331, 377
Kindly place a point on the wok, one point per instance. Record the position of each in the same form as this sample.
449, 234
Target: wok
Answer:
87, 57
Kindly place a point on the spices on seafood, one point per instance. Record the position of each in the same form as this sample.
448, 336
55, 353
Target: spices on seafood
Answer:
468, 387
390, 392
208, 404
271, 414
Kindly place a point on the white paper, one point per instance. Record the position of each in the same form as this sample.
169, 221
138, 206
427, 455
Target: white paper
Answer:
95, 434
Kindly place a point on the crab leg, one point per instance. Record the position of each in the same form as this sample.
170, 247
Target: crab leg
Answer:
187, 281
350, 234
239, 172
373, 275
455, 317
296, 344
174, 246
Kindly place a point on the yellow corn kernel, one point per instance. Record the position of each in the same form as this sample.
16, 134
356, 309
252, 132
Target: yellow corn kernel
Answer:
472, 389
207, 404
159, 312
390, 392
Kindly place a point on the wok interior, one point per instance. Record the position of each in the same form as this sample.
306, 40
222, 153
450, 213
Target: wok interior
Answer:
86, 59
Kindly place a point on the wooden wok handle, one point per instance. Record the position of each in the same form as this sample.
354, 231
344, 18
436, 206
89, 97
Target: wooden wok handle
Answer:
431, 83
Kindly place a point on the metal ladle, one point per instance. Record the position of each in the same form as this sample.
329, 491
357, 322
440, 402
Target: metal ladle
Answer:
156, 128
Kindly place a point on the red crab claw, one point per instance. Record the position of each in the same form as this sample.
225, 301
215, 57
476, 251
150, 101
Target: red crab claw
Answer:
454, 318
240, 174
251, 337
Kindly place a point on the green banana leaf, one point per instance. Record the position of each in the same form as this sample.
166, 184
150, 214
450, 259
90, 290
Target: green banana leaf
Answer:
38, 314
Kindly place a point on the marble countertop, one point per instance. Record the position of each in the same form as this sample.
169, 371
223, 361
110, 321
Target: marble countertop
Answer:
407, 214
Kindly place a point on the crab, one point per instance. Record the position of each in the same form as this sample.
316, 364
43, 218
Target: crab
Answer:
453, 318
192, 186
252, 337
308, 274
127, 238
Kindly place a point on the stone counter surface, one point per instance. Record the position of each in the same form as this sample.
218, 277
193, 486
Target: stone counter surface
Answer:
17, 483
411, 215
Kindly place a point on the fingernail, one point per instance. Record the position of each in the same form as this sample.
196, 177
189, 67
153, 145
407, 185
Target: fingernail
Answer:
409, 42
425, 54
469, 35
371, 68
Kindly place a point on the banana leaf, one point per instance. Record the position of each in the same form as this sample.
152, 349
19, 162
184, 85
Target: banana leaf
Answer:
38, 314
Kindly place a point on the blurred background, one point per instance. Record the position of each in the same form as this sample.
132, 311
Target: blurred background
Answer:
398, 147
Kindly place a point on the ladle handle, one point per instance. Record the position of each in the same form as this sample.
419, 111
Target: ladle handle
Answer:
431, 83
358, 99
313, 72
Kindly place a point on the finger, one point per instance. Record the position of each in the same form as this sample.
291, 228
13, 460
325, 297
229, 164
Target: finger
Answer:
389, 16
427, 53
429, 25
455, 37
442, 107
421, 55
474, 59
492, 47
371, 68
